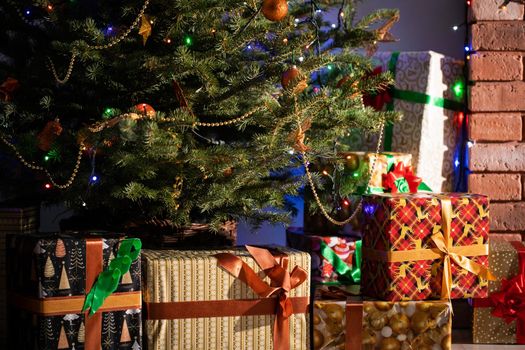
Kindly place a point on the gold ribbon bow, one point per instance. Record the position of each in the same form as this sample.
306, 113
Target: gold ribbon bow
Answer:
444, 249
443, 243
282, 282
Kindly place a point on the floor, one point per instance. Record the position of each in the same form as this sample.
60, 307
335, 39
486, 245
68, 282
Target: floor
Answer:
461, 340
486, 347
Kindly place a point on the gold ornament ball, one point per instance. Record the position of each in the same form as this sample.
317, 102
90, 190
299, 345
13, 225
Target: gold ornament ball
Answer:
368, 307
368, 338
377, 320
422, 342
383, 305
419, 321
316, 319
274, 10
351, 162
424, 306
389, 344
318, 339
334, 312
293, 74
399, 323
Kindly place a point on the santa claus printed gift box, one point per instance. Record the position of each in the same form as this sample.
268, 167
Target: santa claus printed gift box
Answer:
335, 259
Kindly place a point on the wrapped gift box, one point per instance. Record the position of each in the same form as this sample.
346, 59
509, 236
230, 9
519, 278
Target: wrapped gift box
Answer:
500, 318
222, 299
425, 246
429, 95
357, 166
48, 278
14, 219
333, 257
354, 324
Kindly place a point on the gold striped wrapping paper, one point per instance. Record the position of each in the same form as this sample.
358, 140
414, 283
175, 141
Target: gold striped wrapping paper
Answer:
192, 275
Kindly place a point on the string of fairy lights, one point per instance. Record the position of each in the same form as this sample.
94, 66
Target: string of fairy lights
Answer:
144, 115
462, 118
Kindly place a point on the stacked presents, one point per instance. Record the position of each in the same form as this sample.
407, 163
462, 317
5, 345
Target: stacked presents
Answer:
411, 251
93, 291
384, 281
418, 251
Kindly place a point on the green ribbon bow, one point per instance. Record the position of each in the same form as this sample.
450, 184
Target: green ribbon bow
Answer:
108, 280
346, 274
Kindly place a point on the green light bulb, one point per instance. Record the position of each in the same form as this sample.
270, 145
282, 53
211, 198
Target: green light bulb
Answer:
46, 158
188, 41
458, 89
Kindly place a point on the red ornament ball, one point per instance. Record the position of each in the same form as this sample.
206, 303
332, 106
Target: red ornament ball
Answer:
274, 10
293, 74
145, 109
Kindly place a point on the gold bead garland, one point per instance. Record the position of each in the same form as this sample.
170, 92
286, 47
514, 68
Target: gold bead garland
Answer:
64, 80
96, 47
98, 127
32, 166
312, 185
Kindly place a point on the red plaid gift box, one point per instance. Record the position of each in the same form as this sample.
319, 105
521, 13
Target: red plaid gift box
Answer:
425, 246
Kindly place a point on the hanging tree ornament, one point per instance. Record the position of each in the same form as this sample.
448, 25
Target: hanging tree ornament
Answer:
298, 136
383, 35
294, 75
48, 135
8, 87
145, 28
145, 109
274, 10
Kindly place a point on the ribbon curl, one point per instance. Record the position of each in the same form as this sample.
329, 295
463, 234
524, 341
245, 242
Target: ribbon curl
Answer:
108, 280
282, 282
401, 179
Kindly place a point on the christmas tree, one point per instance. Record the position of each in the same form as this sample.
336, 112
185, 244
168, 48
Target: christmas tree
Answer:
185, 111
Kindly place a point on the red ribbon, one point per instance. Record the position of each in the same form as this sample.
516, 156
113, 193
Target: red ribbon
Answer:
380, 99
282, 282
400, 171
509, 302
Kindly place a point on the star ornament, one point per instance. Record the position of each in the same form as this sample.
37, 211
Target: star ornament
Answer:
145, 29
383, 35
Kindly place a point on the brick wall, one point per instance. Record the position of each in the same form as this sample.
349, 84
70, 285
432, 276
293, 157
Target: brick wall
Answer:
497, 103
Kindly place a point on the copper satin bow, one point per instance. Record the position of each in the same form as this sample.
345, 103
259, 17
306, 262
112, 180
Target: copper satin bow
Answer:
401, 179
443, 243
282, 282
